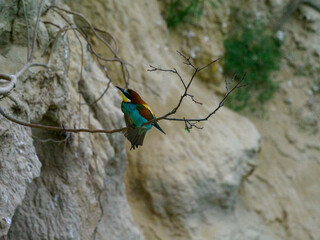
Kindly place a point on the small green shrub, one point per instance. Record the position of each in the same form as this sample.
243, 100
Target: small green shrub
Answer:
185, 10
254, 50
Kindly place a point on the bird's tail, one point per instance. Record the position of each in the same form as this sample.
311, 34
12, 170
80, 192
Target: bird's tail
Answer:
136, 136
158, 127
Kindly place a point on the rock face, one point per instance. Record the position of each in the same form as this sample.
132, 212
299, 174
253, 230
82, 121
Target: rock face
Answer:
231, 180
176, 178
182, 188
79, 192
284, 188
19, 165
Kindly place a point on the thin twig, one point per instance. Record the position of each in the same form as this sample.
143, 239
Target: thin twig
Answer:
100, 97
167, 70
27, 26
12, 79
124, 68
221, 104
35, 33
101, 215
90, 47
191, 122
29, 65
188, 61
313, 4
52, 140
189, 125
210, 63
58, 129
193, 99
109, 35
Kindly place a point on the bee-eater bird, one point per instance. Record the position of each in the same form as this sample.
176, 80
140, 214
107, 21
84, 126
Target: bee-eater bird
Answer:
136, 112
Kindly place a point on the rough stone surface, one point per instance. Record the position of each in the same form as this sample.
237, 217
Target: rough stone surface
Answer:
8, 12
19, 164
231, 180
80, 192
175, 179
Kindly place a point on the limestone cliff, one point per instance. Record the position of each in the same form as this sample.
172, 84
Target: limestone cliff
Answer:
51, 188
231, 180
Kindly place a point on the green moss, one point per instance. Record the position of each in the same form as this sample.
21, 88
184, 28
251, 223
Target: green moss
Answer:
181, 11
254, 50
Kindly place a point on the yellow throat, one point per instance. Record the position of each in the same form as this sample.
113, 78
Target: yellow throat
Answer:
125, 99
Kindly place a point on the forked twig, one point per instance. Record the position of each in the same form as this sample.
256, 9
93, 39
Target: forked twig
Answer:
192, 122
12, 79
35, 33
27, 26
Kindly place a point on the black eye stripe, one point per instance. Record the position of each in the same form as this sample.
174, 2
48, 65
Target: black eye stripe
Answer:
127, 95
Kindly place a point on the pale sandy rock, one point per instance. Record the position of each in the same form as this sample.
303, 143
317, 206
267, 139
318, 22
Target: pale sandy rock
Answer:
202, 185
80, 193
19, 166
8, 12
186, 174
175, 178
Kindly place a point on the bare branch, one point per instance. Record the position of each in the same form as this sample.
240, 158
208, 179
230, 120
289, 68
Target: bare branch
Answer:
116, 58
35, 33
53, 24
58, 129
109, 35
192, 122
192, 98
27, 26
100, 97
52, 140
221, 103
189, 125
210, 63
312, 4
167, 70
124, 69
101, 215
29, 65
12, 79
188, 61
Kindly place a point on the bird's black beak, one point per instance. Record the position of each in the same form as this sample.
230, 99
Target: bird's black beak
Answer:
121, 89
126, 96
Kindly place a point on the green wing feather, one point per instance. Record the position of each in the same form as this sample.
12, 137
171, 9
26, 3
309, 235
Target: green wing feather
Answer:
148, 114
133, 133
145, 111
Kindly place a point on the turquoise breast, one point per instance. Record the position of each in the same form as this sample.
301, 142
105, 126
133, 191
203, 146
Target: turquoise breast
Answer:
131, 110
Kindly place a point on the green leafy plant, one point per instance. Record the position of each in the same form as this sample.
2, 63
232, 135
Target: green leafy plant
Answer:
185, 10
255, 50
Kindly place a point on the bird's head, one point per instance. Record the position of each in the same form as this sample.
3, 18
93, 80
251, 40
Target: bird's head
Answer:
128, 95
